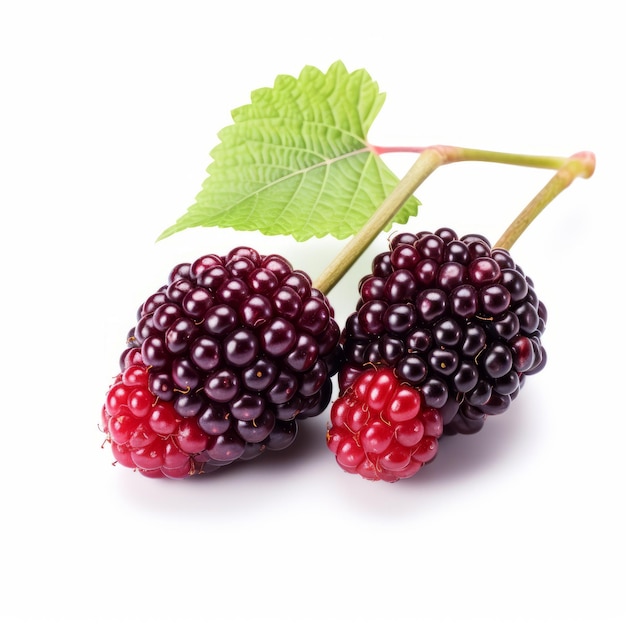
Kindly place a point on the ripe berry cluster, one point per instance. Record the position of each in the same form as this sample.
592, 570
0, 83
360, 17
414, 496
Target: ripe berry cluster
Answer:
452, 317
222, 363
228, 356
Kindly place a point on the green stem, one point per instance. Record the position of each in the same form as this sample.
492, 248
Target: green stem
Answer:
428, 161
580, 164
456, 154
426, 164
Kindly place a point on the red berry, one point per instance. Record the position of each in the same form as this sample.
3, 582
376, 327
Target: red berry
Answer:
380, 428
141, 428
150, 457
404, 405
191, 438
121, 427
410, 433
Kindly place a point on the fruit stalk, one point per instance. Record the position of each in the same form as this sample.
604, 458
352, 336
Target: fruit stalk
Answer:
580, 164
428, 161
568, 168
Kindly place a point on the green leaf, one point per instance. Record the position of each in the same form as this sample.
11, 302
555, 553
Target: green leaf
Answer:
297, 161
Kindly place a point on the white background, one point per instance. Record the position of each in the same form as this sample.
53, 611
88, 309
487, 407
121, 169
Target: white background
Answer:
108, 111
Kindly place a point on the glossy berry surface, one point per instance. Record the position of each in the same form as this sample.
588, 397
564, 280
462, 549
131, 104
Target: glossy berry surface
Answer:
223, 362
381, 429
452, 317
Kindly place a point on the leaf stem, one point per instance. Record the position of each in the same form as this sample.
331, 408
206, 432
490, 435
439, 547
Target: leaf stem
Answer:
568, 168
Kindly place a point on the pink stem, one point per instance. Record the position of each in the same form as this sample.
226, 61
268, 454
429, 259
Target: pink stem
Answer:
390, 149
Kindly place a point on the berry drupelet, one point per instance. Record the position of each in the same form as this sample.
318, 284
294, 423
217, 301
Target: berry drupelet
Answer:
222, 364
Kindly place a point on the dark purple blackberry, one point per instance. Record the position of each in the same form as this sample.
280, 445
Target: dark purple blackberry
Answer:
243, 346
454, 318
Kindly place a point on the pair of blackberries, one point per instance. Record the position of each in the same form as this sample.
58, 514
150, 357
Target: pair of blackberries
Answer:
235, 350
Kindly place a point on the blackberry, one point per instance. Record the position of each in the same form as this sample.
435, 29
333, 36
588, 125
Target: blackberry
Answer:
234, 351
453, 317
